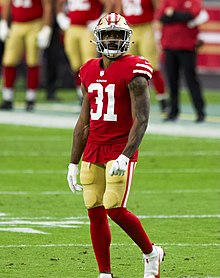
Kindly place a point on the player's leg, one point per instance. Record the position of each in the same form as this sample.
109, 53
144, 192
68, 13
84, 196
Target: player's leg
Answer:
74, 55
149, 49
172, 67
134, 50
33, 60
87, 48
92, 178
188, 62
115, 199
13, 52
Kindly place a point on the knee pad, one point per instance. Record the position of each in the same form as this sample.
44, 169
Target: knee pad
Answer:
90, 198
91, 177
114, 192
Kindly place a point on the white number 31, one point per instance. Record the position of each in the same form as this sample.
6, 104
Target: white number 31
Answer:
110, 90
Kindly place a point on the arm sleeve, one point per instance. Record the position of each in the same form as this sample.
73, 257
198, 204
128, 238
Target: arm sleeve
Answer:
178, 16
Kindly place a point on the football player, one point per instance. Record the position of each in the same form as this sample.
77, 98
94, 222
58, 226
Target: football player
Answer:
140, 16
29, 32
113, 120
79, 18
1, 42
180, 20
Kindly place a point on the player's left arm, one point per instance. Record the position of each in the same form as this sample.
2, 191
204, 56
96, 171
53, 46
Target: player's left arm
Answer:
140, 102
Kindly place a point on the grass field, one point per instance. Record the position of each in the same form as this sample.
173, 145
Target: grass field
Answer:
44, 228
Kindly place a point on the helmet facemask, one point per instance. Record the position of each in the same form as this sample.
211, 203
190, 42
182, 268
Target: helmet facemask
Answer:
112, 36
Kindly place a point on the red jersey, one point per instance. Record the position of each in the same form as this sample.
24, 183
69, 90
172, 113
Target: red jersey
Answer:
178, 35
138, 12
110, 104
26, 10
82, 11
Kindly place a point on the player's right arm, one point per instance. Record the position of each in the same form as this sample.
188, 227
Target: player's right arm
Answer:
81, 130
80, 136
6, 9
4, 27
62, 19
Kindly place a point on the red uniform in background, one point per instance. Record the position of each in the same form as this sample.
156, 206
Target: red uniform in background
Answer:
140, 16
76, 19
188, 38
24, 13
30, 31
179, 40
81, 14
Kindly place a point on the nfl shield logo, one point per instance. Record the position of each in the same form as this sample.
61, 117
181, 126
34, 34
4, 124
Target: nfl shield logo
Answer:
101, 72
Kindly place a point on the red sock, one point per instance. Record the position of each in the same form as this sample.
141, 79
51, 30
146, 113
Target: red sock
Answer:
132, 226
9, 76
33, 77
158, 82
101, 237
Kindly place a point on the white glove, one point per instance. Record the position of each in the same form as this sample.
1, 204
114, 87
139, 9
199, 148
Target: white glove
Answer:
4, 30
91, 24
119, 166
63, 21
44, 37
201, 18
72, 177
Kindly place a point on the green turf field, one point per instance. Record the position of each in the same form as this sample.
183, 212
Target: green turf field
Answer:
44, 230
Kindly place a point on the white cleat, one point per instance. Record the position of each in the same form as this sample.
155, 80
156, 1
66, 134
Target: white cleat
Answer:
105, 275
152, 262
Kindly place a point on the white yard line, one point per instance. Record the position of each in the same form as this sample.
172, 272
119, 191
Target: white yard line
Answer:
149, 171
113, 244
75, 220
178, 191
40, 119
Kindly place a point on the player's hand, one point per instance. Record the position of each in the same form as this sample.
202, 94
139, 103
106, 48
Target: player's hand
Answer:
44, 37
91, 24
72, 177
63, 21
4, 30
201, 18
119, 166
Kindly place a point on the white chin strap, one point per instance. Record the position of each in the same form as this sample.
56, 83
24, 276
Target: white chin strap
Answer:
111, 53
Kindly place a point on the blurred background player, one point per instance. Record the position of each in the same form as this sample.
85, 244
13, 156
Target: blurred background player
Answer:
77, 19
52, 58
1, 42
29, 32
140, 16
179, 40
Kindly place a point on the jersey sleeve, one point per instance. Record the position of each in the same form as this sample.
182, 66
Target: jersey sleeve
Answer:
138, 66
